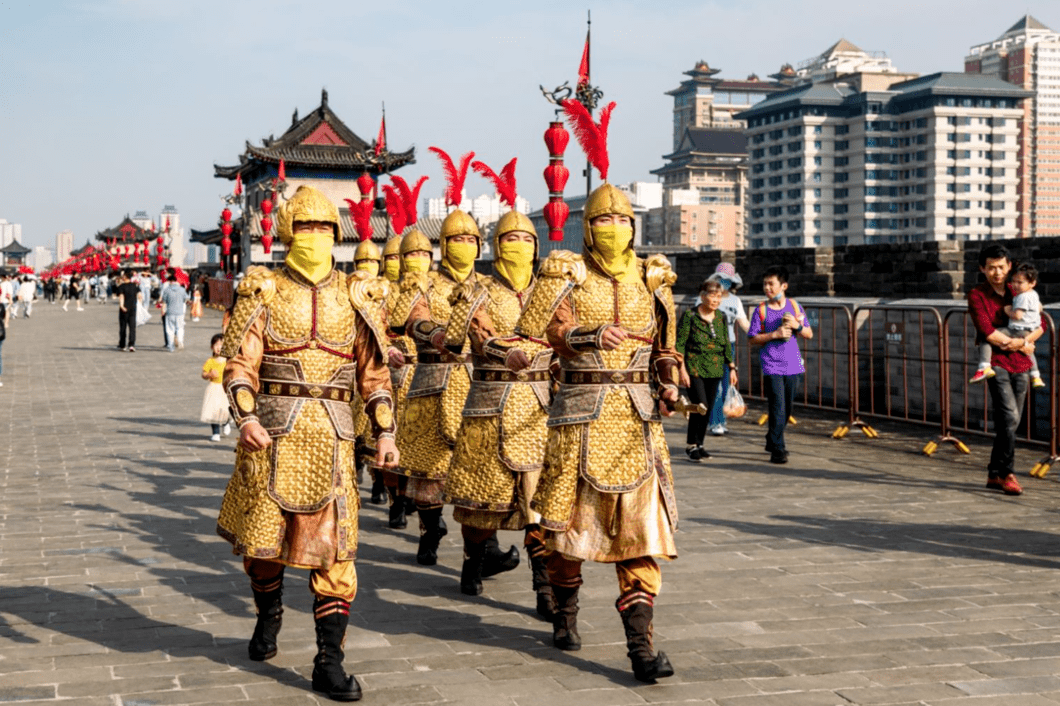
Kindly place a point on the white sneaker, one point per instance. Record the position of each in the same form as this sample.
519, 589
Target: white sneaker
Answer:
719, 430
215, 437
227, 429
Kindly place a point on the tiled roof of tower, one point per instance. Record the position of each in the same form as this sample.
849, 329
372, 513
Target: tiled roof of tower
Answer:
956, 83
126, 228
320, 139
841, 46
15, 248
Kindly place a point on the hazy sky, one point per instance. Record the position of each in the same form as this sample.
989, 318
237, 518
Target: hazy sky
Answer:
111, 106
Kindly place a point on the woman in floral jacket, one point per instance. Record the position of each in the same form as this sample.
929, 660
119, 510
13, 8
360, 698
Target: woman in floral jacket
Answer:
703, 340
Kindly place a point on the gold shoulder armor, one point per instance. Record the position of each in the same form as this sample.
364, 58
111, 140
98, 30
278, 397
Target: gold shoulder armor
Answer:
365, 289
464, 291
245, 312
548, 293
464, 301
657, 272
259, 283
564, 264
415, 281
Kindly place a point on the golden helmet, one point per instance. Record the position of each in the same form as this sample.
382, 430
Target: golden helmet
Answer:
511, 221
459, 223
605, 200
307, 204
392, 247
367, 250
415, 240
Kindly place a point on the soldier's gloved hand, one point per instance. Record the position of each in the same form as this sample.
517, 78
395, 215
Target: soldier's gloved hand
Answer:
516, 360
667, 399
395, 358
386, 454
438, 341
612, 337
253, 437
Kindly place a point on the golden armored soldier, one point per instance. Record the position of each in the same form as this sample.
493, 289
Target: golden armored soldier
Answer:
606, 492
300, 347
441, 381
410, 253
501, 443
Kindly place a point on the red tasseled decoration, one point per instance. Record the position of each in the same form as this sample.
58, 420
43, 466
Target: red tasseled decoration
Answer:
591, 136
504, 182
409, 197
361, 213
454, 177
396, 208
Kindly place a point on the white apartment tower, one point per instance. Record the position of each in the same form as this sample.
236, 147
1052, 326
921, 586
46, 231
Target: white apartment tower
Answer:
64, 245
855, 160
1028, 55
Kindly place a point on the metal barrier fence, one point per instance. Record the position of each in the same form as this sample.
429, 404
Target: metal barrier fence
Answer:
910, 364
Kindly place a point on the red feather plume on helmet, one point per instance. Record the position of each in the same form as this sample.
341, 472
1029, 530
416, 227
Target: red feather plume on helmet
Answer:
504, 182
395, 207
361, 213
591, 136
409, 197
454, 177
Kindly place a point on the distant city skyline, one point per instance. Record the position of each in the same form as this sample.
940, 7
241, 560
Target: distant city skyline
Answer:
133, 103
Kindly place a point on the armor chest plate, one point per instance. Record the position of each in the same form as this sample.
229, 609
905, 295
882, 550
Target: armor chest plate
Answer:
438, 297
601, 300
505, 306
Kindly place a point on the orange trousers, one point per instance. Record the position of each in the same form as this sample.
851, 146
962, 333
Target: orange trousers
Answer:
640, 574
340, 581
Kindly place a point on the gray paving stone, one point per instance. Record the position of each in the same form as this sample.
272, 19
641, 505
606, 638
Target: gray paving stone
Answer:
859, 573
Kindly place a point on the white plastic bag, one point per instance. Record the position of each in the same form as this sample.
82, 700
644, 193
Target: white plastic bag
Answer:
142, 314
734, 407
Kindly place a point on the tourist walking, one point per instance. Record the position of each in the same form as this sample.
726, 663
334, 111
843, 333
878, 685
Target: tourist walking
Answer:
214, 401
129, 300
1010, 363
774, 325
5, 319
735, 315
27, 291
173, 300
703, 340
196, 299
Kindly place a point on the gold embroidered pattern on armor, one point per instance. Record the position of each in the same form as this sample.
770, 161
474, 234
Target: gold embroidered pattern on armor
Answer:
245, 400
260, 283
383, 416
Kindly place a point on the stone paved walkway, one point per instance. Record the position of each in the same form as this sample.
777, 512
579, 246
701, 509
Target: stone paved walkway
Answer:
860, 573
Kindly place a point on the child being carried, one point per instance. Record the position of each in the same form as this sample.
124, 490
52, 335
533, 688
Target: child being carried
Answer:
1024, 316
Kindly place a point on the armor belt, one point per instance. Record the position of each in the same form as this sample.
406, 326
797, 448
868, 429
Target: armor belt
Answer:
430, 358
488, 375
276, 388
606, 377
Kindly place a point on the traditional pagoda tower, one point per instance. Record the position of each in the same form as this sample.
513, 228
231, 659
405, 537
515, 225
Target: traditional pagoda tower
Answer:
318, 150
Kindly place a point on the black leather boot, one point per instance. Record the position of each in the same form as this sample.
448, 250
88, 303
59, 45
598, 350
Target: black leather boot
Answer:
432, 529
497, 561
565, 619
546, 599
397, 510
331, 616
378, 489
471, 571
268, 601
637, 610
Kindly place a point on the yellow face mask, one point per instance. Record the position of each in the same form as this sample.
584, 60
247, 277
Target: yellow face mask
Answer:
310, 255
369, 266
417, 264
460, 259
392, 269
515, 261
613, 254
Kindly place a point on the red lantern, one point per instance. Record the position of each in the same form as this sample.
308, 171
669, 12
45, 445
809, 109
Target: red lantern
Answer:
266, 224
266, 206
266, 242
282, 172
556, 139
226, 215
556, 176
365, 184
556, 213
239, 184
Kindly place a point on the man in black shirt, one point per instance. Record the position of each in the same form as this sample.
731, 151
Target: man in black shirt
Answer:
128, 298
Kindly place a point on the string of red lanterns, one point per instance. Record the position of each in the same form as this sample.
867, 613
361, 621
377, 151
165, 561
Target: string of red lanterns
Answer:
556, 175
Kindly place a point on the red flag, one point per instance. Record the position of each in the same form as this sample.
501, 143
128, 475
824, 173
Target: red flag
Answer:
380, 142
583, 68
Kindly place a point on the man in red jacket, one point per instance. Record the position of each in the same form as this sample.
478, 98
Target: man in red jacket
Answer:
1008, 387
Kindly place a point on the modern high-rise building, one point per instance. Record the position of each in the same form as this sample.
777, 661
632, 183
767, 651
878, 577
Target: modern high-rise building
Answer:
856, 159
1028, 55
40, 258
64, 245
9, 232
